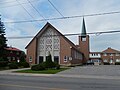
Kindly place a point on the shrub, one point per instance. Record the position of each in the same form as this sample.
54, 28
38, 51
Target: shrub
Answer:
23, 64
26, 65
106, 63
49, 63
57, 66
3, 63
37, 67
13, 65
1, 59
117, 63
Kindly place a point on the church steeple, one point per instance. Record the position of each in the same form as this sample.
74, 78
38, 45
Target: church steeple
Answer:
83, 28
84, 42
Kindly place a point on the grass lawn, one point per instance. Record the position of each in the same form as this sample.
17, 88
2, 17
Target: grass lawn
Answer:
47, 71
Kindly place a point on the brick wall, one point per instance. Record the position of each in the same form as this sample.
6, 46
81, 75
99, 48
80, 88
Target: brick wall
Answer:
108, 57
31, 51
65, 50
84, 47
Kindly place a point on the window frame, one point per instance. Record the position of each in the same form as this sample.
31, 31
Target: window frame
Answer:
65, 58
30, 58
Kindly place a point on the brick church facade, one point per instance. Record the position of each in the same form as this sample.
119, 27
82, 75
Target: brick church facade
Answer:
50, 40
63, 51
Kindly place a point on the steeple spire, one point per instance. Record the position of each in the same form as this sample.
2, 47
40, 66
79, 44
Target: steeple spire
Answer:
83, 28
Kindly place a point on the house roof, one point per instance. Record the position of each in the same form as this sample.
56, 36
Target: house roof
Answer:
12, 49
43, 30
95, 52
110, 50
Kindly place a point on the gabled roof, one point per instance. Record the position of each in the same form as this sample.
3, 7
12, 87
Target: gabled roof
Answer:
83, 33
110, 50
12, 49
43, 30
95, 52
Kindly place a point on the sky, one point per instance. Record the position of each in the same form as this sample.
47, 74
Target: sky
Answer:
20, 10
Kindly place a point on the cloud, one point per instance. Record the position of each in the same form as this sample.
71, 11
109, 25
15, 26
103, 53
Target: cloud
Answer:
93, 24
67, 8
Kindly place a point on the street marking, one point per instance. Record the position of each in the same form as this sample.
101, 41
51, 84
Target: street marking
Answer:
22, 86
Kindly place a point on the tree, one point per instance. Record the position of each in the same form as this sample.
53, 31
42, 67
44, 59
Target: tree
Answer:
3, 40
22, 57
49, 63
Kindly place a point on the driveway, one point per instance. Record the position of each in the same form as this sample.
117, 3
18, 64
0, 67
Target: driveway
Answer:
101, 70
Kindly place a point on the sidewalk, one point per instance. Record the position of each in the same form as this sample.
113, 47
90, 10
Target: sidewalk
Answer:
11, 72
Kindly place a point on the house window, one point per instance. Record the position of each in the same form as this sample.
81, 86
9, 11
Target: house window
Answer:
111, 54
105, 60
9, 59
105, 54
117, 60
65, 59
30, 59
13, 58
111, 61
17, 53
117, 54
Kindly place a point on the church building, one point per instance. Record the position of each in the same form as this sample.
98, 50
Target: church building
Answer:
63, 51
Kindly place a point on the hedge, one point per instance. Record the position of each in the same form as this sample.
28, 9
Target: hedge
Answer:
117, 63
23, 64
106, 63
3, 63
13, 65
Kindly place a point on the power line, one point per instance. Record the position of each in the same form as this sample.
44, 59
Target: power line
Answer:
36, 9
16, 4
69, 17
25, 10
93, 33
55, 8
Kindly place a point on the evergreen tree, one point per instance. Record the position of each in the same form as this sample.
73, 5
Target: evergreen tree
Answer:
22, 57
2, 41
49, 63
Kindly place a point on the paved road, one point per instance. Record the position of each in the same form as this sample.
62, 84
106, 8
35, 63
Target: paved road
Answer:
101, 70
14, 82
78, 78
